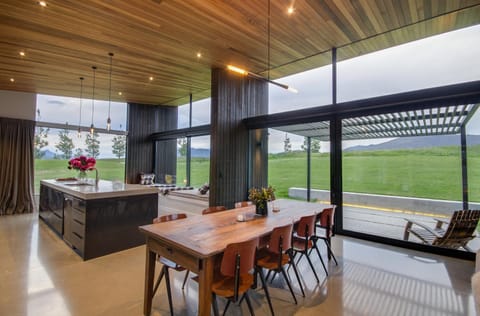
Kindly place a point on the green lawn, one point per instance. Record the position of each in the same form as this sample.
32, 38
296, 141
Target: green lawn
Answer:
108, 169
200, 171
427, 173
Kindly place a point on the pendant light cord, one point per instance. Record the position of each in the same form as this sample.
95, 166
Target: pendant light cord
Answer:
110, 84
93, 92
81, 99
268, 41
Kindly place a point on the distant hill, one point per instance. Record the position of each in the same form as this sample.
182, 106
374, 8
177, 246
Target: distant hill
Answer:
47, 154
419, 142
200, 153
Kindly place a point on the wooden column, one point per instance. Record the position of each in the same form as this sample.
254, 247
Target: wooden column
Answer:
142, 121
238, 158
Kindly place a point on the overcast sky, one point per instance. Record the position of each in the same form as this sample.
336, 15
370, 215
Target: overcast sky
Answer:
436, 61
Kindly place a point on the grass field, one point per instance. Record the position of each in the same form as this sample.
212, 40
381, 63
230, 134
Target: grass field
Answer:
428, 173
108, 169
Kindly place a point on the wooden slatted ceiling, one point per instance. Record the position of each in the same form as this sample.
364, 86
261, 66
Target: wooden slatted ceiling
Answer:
161, 38
437, 121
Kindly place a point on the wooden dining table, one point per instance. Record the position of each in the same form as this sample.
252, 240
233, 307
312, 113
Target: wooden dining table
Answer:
196, 242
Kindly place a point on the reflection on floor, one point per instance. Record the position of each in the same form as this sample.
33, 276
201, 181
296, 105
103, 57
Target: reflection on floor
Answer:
40, 275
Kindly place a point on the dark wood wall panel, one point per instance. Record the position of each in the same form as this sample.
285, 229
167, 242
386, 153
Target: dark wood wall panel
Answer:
142, 121
166, 159
258, 169
234, 98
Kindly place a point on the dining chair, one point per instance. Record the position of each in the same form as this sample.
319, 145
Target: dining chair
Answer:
303, 242
168, 264
324, 230
234, 278
243, 204
277, 254
213, 209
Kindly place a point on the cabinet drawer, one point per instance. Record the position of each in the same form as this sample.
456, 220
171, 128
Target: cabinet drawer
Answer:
78, 216
79, 205
174, 254
77, 242
56, 222
78, 228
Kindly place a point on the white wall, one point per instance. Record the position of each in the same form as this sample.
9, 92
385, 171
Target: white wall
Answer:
18, 105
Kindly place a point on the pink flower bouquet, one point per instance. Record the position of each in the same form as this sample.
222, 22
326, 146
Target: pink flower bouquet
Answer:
82, 163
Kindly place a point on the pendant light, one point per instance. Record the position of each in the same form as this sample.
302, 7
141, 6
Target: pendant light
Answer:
80, 115
109, 121
92, 128
254, 75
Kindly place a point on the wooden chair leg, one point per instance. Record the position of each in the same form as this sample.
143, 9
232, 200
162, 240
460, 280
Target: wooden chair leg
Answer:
406, 233
185, 279
169, 290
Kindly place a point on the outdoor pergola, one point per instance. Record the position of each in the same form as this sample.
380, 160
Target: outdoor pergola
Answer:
443, 120
448, 120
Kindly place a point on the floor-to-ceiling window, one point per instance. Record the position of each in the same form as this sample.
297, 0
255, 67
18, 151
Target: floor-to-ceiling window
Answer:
200, 161
62, 132
299, 161
473, 160
400, 167
287, 164
193, 146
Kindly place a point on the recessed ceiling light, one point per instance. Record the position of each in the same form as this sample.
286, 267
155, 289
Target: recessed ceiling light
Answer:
199, 55
12, 80
120, 93
22, 53
42, 3
290, 10
151, 78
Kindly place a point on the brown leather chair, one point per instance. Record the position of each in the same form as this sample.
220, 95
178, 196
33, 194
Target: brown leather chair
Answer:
277, 254
234, 278
168, 264
303, 241
324, 229
213, 209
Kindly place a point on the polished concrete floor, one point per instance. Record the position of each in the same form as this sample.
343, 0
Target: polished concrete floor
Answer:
40, 275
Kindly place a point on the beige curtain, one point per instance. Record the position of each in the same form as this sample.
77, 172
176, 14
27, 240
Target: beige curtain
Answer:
16, 166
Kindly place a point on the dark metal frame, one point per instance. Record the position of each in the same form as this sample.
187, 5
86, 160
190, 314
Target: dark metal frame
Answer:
464, 93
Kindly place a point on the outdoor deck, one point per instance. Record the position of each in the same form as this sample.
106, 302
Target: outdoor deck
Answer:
389, 223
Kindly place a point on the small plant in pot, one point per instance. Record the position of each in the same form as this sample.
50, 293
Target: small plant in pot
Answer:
260, 197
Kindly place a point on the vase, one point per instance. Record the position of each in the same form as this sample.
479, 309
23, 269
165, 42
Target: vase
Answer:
82, 177
261, 208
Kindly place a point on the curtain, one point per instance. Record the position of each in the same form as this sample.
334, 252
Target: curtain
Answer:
16, 166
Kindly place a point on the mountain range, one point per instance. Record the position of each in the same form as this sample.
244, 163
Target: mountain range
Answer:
419, 142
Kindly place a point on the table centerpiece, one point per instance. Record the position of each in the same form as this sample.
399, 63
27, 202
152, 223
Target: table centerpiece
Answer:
260, 197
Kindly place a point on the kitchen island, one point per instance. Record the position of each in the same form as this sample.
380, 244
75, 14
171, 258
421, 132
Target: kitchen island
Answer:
95, 220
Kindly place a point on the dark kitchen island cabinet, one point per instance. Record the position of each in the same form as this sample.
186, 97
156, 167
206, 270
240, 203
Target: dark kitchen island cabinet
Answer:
95, 220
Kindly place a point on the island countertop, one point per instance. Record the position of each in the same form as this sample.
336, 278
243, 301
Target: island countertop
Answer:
104, 189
